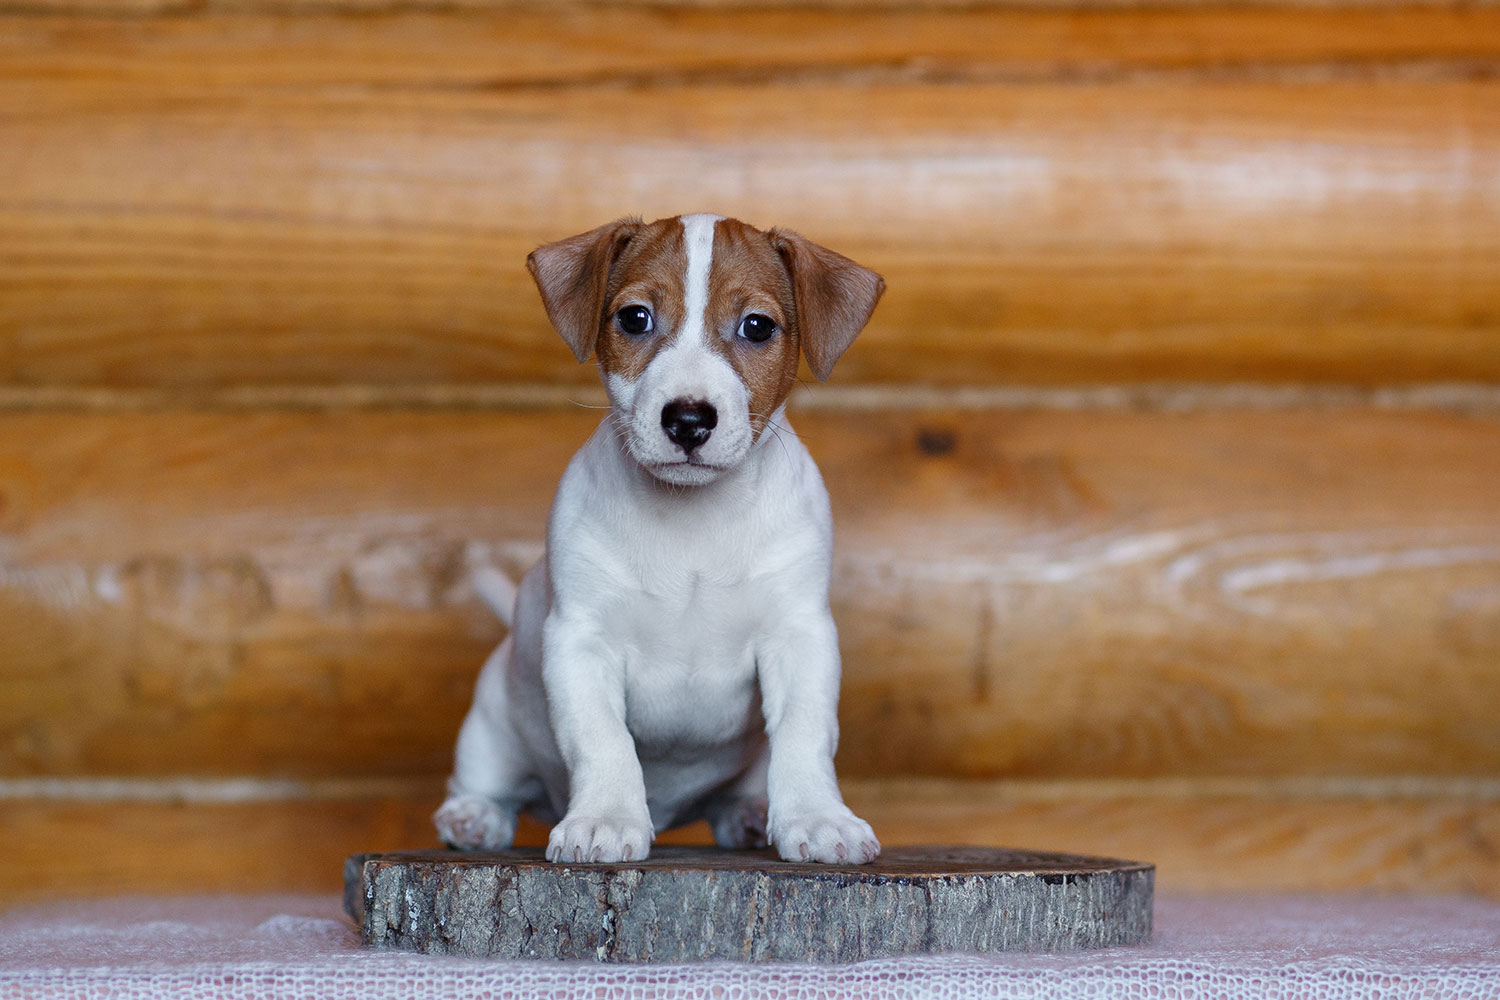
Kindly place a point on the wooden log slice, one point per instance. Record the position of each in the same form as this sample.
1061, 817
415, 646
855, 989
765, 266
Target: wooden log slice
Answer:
688, 904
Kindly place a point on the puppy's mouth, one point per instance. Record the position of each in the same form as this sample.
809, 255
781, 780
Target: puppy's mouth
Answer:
685, 472
687, 463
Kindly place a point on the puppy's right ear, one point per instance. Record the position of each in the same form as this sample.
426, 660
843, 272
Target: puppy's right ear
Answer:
573, 274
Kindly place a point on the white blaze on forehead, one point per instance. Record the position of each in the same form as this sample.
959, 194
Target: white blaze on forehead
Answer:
698, 234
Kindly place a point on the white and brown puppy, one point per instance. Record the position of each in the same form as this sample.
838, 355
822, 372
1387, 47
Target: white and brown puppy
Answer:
672, 656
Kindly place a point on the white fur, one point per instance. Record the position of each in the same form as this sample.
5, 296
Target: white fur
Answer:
698, 235
673, 655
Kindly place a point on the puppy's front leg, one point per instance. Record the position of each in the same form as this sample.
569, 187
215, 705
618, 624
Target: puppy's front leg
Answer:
607, 819
799, 679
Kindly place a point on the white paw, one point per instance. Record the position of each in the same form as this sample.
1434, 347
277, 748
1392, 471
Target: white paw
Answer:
834, 836
599, 838
472, 823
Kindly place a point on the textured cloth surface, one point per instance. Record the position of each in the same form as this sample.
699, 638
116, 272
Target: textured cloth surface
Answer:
1204, 946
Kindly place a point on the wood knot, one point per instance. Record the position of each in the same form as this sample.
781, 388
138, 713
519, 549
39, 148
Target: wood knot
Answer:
936, 441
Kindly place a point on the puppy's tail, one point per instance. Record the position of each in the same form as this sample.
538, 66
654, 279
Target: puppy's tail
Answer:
499, 592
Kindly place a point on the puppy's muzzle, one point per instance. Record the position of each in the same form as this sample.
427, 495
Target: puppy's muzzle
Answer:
688, 423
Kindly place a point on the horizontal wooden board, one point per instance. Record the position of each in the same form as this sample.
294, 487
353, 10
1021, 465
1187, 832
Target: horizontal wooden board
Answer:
543, 46
1047, 594
1257, 843
1262, 843
1055, 198
151, 8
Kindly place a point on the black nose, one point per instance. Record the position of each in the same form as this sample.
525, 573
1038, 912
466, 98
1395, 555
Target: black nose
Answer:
688, 422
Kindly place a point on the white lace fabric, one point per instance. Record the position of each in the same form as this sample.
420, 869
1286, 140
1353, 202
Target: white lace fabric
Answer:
1205, 946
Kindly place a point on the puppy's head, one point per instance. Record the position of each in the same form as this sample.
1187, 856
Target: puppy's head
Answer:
697, 322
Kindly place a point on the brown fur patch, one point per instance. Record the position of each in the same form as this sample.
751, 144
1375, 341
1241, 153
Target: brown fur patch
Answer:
747, 276
571, 275
651, 271
835, 297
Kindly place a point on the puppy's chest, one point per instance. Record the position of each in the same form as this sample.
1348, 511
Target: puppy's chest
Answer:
693, 591
688, 620
688, 635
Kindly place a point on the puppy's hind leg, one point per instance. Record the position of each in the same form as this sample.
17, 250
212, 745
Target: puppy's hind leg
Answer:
737, 813
492, 779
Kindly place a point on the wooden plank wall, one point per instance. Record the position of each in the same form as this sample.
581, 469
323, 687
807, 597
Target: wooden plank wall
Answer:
1167, 479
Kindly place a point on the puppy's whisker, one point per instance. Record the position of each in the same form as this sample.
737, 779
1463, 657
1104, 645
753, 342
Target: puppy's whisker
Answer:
781, 441
770, 425
798, 434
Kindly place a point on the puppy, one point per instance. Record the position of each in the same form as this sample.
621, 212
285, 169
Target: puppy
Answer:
672, 656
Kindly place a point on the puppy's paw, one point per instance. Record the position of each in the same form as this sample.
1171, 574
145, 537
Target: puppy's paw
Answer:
834, 836
739, 824
580, 839
474, 823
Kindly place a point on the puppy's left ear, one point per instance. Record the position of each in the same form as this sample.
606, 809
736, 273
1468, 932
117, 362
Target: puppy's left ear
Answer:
573, 276
834, 298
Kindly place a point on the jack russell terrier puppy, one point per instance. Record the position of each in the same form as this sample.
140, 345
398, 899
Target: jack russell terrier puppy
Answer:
672, 656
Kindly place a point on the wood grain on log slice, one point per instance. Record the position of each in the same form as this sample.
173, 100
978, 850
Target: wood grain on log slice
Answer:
689, 904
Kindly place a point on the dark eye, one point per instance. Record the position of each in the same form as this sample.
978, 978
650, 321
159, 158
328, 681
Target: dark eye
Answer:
634, 320
757, 328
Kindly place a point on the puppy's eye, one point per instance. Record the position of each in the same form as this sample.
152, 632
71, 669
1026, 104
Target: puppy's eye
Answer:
757, 328
634, 320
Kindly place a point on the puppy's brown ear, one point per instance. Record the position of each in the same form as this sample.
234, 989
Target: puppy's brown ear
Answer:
573, 274
834, 298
